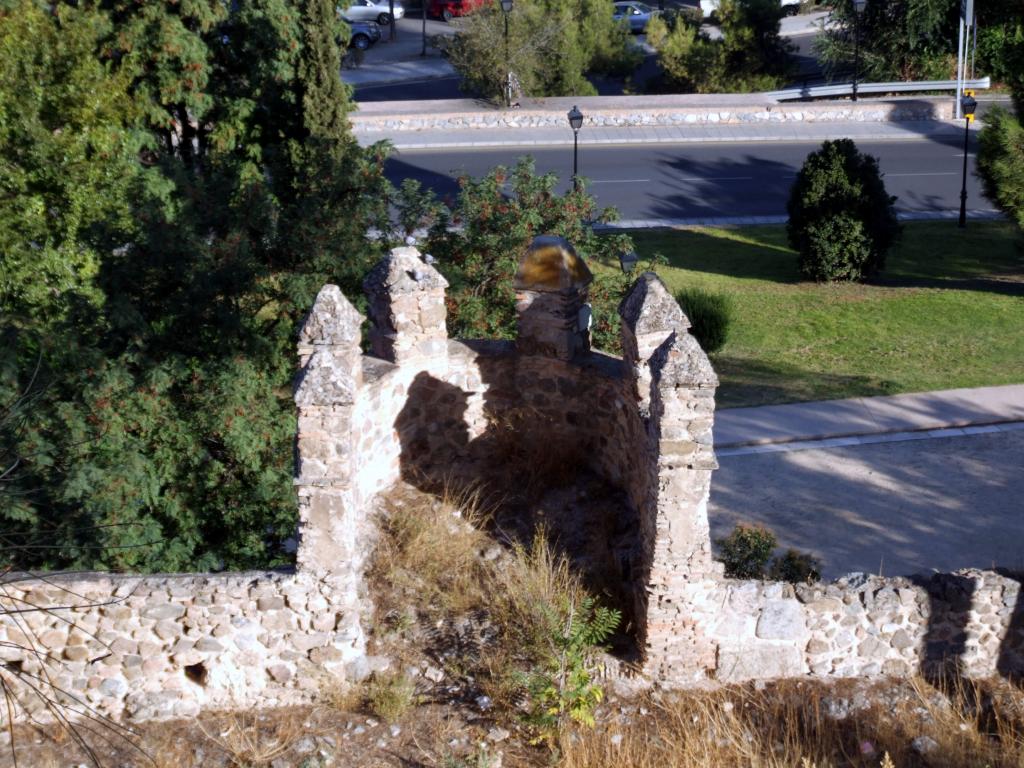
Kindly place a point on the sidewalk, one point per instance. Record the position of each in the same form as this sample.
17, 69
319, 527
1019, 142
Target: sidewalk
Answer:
832, 423
909, 130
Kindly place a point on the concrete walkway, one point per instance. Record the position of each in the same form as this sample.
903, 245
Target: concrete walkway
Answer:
936, 414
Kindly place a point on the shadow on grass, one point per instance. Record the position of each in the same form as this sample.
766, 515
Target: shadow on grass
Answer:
746, 382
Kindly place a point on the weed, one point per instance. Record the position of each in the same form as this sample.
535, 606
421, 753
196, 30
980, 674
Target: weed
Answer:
250, 741
389, 697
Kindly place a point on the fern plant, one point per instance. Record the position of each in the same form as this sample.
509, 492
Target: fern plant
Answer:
561, 687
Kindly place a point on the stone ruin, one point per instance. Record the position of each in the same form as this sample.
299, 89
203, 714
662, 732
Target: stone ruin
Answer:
420, 404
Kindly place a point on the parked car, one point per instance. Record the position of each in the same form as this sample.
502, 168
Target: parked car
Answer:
708, 7
448, 9
373, 10
637, 14
364, 33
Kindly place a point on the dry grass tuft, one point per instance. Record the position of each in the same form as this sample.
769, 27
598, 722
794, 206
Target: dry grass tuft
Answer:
787, 724
251, 741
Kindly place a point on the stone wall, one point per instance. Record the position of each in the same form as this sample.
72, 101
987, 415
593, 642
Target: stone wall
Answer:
168, 646
431, 410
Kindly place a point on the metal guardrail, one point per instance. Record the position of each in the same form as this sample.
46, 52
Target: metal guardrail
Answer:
846, 89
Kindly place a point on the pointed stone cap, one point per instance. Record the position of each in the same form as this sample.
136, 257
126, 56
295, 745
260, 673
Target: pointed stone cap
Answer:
403, 271
332, 320
680, 362
551, 264
650, 308
326, 380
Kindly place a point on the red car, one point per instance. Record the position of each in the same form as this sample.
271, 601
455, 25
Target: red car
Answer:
447, 9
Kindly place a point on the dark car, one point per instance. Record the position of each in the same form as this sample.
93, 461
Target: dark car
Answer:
364, 33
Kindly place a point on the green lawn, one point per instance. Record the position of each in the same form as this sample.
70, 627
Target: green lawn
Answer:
947, 312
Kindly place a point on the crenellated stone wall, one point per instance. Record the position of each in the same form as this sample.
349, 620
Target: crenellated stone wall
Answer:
428, 409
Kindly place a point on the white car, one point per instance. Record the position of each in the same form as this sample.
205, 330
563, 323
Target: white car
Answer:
708, 7
373, 10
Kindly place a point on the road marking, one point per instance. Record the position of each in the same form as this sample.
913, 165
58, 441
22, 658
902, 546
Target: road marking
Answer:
716, 178
620, 181
944, 173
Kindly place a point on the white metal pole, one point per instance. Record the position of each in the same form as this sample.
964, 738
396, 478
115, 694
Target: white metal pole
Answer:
974, 47
959, 67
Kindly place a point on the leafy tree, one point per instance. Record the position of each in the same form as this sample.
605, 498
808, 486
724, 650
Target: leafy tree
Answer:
898, 39
750, 55
841, 220
480, 257
167, 418
1001, 45
552, 46
67, 159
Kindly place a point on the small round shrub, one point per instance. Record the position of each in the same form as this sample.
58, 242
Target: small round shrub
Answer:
746, 551
710, 315
841, 220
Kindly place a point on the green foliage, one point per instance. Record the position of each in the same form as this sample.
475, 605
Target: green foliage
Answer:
750, 56
747, 554
561, 686
67, 159
212, 184
480, 257
709, 314
1001, 162
795, 567
552, 45
841, 220
746, 551
1001, 45
899, 40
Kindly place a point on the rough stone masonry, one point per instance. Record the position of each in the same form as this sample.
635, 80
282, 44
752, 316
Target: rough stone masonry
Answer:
421, 403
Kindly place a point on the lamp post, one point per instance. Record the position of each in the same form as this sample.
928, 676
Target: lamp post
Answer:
575, 122
858, 10
506, 8
967, 104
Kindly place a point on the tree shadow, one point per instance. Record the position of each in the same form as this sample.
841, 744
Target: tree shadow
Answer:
747, 382
890, 508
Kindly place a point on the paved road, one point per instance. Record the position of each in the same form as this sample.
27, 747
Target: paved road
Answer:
898, 508
704, 180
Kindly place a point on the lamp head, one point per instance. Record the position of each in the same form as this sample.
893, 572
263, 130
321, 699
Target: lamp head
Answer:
859, 6
968, 104
506, 6
628, 261
575, 118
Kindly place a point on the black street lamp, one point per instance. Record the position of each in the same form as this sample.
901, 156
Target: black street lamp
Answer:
506, 8
628, 261
967, 105
575, 122
858, 8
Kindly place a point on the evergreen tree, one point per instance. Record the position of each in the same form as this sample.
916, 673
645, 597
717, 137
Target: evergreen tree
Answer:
898, 40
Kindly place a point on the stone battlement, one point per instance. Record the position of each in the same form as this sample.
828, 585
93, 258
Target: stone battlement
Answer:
422, 407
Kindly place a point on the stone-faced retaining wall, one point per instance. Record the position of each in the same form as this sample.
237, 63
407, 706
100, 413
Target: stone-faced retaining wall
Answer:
622, 112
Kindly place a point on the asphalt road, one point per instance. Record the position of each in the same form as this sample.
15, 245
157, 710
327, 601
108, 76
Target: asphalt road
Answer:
707, 180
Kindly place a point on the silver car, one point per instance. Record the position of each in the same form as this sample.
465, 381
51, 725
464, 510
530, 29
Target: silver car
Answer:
373, 10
